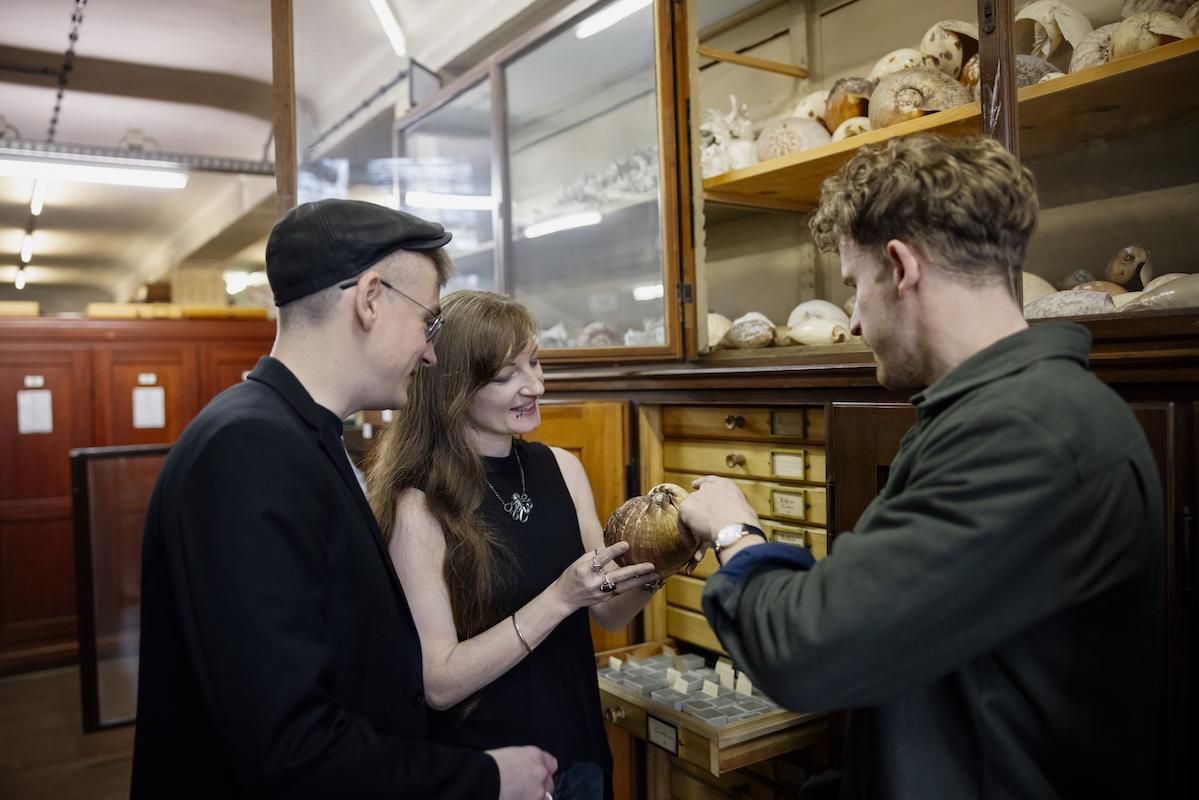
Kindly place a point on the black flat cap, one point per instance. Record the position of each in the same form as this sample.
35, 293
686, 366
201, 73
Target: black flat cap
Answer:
319, 244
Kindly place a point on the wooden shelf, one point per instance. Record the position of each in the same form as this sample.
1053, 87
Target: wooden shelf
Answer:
1113, 100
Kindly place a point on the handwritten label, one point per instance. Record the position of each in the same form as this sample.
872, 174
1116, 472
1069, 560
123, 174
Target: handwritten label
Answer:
788, 504
662, 734
787, 422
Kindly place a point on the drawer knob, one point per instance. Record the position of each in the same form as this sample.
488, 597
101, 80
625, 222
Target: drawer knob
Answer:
732, 421
613, 715
734, 460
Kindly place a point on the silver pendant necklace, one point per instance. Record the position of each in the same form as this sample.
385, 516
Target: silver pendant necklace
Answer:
520, 506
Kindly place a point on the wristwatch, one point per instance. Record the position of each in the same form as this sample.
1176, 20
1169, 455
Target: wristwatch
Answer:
731, 534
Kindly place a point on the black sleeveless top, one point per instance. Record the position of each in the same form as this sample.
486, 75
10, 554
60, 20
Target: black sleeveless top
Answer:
551, 698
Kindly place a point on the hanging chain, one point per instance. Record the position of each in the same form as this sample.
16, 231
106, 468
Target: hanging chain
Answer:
68, 63
521, 505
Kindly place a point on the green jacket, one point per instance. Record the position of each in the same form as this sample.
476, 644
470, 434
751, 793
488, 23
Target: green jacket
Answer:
994, 621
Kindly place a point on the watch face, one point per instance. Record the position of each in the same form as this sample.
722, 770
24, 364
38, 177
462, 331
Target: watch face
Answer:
729, 534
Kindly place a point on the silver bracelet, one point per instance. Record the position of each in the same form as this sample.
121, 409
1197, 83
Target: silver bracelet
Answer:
520, 635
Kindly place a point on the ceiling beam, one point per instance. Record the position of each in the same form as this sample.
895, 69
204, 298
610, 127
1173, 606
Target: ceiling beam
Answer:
123, 79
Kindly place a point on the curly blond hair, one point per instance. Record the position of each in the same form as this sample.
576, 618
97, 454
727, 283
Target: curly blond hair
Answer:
968, 203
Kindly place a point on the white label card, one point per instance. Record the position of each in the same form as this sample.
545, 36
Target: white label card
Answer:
711, 689
726, 679
663, 734
149, 407
680, 685
35, 411
789, 504
35, 381
615, 663
672, 675
744, 686
789, 465
147, 379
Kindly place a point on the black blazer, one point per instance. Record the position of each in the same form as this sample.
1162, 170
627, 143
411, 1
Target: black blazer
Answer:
278, 654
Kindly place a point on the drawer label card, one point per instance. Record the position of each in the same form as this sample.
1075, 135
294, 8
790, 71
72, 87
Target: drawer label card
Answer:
789, 465
662, 734
35, 381
788, 504
787, 422
788, 537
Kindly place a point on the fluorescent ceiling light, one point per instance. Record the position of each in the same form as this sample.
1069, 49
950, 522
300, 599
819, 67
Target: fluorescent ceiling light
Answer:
391, 26
648, 291
607, 17
60, 169
563, 223
466, 202
38, 198
27, 248
20, 280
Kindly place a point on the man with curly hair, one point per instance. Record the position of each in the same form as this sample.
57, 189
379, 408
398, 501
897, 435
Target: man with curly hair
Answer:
993, 621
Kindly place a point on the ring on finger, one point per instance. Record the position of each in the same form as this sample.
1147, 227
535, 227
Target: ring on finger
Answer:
606, 585
595, 565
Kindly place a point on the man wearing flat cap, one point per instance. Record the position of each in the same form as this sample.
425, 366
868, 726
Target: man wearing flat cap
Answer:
278, 654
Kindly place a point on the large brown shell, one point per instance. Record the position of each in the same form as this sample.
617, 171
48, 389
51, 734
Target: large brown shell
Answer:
650, 524
849, 98
1127, 264
912, 93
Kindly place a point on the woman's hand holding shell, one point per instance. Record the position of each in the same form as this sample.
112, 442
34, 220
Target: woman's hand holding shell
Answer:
582, 584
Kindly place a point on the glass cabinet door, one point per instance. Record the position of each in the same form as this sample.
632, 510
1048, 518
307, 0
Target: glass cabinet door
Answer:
585, 240
443, 173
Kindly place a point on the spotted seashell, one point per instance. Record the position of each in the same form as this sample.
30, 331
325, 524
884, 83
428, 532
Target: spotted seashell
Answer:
948, 45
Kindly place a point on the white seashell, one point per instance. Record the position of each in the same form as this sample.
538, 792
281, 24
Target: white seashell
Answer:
1146, 31
949, 44
1133, 7
718, 326
597, 334
1161, 280
817, 309
741, 153
1035, 287
1191, 18
1047, 23
851, 127
780, 335
750, 331
1095, 49
753, 316
1124, 299
816, 331
554, 337
904, 58
1070, 304
1048, 76
790, 135
912, 93
849, 97
1179, 293
812, 106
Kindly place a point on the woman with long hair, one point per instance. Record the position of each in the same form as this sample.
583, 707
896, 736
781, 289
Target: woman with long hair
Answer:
497, 544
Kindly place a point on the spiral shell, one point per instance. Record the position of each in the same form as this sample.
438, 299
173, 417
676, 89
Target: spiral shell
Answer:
790, 135
812, 106
912, 93
849, 97
750, 331
1046, 24
1095, 49
1146, 31
650, 524
904, 58
1126, 265
851, 127
948, 45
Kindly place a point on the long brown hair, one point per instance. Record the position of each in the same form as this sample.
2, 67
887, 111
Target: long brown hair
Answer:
427, 447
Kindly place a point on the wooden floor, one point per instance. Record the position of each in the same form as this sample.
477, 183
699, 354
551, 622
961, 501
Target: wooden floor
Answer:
44, 753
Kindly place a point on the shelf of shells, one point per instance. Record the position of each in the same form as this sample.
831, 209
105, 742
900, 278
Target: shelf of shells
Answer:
1108, 124
775, 455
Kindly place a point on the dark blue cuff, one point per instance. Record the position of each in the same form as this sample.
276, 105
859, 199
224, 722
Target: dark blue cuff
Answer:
773, 554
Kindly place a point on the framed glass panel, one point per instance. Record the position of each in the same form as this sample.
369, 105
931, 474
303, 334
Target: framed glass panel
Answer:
443, 172
581, 113
111, 487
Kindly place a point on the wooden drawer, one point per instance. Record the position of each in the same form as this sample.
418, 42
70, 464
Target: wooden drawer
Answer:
688, 782
804, 424
746, 460
815, 539
773, 500
685, 591
717, 750
692, 627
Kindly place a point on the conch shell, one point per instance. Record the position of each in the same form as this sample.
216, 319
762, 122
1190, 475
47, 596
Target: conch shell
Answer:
1180, 293
851, 127
1046, 24
750, 331
790, 135
812, 106
817, 309
1070, 304
904, 58
1034, 287
948, 45
1100, 286
849, 97
1133, 7
1095, 49
1146, 31
814, 330
1130, 268
718, 326
912, 93
650, 525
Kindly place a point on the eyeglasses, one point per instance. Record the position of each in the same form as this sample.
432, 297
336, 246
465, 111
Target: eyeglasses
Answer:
431, 326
